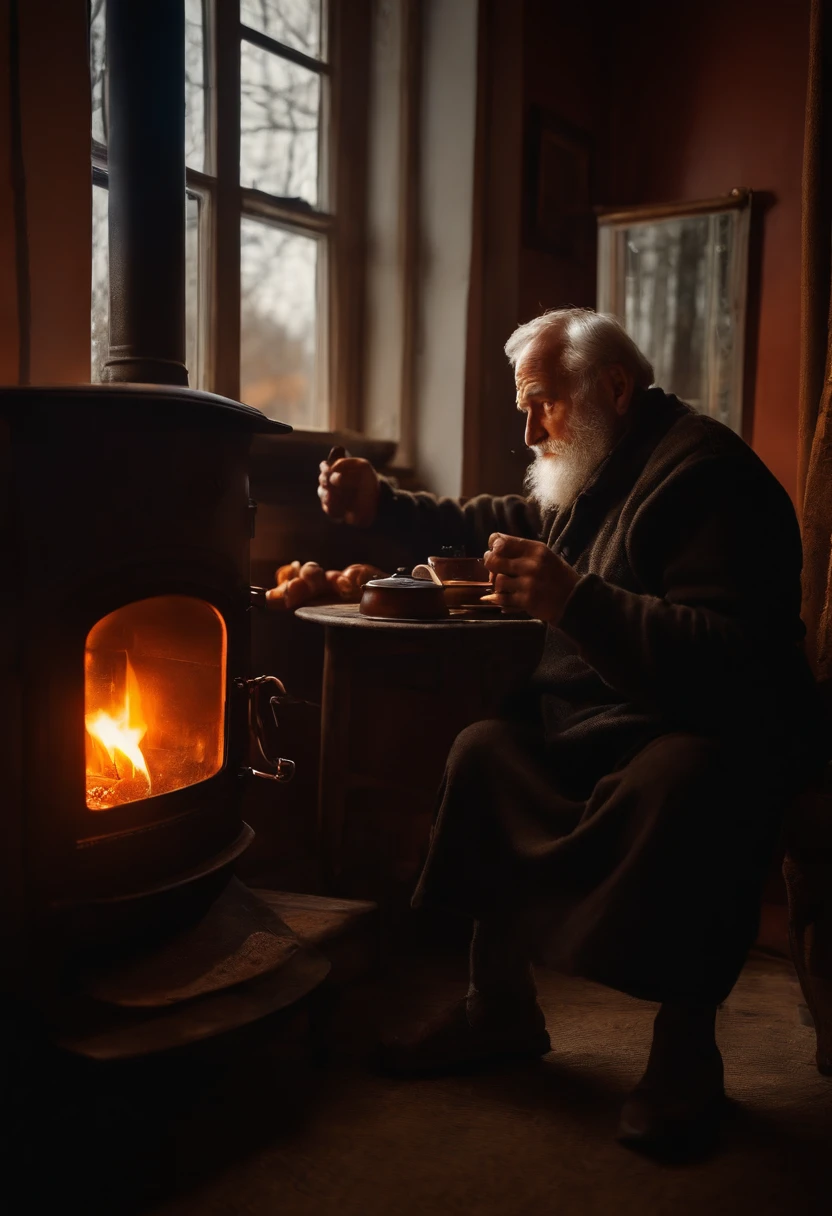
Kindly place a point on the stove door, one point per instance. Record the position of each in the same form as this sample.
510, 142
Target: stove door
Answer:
154, 700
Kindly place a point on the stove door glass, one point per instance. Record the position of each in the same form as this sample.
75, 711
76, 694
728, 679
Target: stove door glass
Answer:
154, 691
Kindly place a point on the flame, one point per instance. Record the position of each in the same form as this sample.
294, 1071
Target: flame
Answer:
118, 736
121, 731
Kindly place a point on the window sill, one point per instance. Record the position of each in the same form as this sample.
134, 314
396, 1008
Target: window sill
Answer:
294, 458
377, 450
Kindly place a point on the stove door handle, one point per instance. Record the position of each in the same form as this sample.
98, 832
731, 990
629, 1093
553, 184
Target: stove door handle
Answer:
284, 769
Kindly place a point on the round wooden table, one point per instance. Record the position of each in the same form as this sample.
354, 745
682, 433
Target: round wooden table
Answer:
395, 696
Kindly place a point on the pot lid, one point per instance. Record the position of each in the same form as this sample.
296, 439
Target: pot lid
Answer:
403, 581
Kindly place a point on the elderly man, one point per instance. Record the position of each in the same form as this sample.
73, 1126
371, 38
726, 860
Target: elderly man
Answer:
619, 821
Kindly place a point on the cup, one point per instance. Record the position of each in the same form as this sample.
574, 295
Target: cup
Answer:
460, 569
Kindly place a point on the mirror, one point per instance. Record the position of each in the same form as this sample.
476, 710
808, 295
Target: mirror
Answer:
676, 276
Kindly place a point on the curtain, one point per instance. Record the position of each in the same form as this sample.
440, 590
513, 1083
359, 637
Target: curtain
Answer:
815, 435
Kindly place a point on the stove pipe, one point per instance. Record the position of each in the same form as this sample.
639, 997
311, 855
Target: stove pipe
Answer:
146, 164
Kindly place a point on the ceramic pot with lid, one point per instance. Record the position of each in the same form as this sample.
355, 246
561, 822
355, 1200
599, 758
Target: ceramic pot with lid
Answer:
403, 598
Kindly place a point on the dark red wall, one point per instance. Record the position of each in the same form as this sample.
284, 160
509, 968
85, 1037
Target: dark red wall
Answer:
686, 100
720, 103
563, 49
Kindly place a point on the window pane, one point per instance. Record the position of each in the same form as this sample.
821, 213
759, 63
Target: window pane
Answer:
278, 285
194, 79
100, 310
295, 22
279, 116
194, 86
98, 10
100, 283
193, 326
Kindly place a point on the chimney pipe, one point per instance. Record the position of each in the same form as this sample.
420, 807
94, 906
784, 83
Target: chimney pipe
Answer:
146, 165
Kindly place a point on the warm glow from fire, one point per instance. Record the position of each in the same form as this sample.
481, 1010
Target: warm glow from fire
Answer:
119, 731
120, 739
154, 701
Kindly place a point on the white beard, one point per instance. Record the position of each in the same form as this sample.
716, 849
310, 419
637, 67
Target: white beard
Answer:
562, 467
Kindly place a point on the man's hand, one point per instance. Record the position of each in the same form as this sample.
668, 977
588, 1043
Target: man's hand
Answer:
528, 576
348, 489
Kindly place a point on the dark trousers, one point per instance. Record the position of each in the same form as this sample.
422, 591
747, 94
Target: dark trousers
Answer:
651, 885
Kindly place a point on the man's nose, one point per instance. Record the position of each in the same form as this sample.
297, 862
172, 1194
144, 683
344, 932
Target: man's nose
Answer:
535, 433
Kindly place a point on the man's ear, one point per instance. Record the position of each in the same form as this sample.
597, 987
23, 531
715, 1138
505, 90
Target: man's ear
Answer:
620, 385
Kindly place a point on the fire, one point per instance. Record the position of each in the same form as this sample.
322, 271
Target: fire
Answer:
120, 740
117, 733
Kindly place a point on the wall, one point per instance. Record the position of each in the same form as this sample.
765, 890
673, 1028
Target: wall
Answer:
50, 299
719, 103
563, 75
493, 457
385, 294
542, 55
449, 67
8, 277
678, 101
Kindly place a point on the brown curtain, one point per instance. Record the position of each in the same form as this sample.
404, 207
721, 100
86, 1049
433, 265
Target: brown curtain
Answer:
815, 451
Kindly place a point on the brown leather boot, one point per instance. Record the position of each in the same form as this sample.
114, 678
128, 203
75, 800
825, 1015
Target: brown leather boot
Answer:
464, 1036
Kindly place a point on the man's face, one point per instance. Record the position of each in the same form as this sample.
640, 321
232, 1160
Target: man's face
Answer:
543, 395
569, 434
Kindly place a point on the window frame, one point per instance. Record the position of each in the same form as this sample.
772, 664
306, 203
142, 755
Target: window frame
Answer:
338, 226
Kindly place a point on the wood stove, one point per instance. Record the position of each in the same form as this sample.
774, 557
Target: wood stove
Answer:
125, 686
128, 711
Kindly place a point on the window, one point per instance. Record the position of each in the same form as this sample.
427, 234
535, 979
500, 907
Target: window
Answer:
259, 221
283, 246
196, 130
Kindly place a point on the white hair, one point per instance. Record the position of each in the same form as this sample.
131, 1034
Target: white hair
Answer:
589, 341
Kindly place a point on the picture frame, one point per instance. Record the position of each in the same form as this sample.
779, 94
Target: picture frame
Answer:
558, 215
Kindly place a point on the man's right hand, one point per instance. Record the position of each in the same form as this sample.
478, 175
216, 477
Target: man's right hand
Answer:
348, 488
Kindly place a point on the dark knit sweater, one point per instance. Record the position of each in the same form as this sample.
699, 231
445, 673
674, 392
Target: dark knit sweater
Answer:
687, 616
